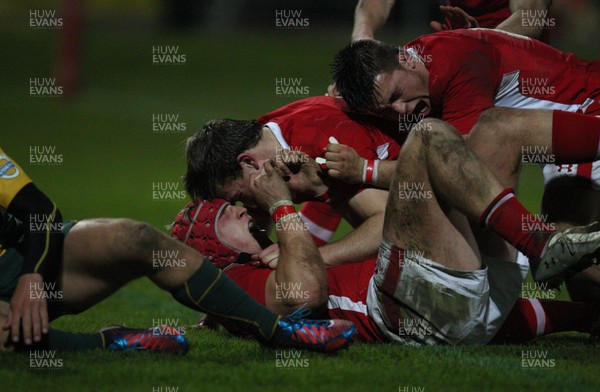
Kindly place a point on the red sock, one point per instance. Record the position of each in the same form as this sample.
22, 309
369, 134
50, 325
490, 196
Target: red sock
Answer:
321, 219
575, 137
531, 318
506, 217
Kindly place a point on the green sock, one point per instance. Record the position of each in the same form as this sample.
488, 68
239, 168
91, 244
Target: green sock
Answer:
211, 291
69, 341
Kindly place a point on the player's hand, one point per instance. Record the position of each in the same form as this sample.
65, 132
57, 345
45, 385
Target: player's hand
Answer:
304, 176
268, 257
269, 186
332, 91
28, 308
343, 163
455, 18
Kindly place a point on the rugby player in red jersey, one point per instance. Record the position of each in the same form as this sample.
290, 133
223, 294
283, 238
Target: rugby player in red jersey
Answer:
225, 153
409, 298
309, 123
458, 75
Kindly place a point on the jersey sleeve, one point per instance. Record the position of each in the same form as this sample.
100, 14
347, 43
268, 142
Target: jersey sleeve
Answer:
252, 279
12, 179
42, 219
465, 87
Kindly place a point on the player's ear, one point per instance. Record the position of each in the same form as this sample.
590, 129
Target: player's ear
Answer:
402, 57
247, 160
406, 60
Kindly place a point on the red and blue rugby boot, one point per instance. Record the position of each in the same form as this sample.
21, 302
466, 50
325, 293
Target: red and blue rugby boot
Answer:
162, 339
318, 335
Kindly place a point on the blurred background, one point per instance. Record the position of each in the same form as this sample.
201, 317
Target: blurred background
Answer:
98, 96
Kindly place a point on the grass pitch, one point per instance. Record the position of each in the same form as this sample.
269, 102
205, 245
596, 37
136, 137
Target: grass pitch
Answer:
112, 159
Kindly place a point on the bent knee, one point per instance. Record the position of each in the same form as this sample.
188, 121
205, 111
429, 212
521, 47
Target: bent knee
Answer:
430, 124
432, 129
124, 239
494, 120
140, 237
494, 114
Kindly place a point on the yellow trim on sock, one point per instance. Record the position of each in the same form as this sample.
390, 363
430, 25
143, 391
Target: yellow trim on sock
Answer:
209, 287
103, 340
274, 327
43, 256
247, 321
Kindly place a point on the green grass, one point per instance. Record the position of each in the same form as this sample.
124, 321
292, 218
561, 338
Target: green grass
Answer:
111, 159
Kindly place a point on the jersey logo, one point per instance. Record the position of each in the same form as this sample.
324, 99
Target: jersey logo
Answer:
568, 168
8, 169
382, 151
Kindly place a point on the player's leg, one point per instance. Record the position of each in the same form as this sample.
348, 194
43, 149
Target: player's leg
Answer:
458, 179
415, 218
531, 318
430, 285
511, 129
157, 339
533, 135
95, 250
102, 255
545, 136
582, 207
501, 135
449, 290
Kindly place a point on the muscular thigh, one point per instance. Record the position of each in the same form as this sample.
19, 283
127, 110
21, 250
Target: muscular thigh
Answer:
415, 220
93, 262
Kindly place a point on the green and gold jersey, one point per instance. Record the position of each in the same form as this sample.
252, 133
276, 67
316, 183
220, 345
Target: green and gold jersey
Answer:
12, 180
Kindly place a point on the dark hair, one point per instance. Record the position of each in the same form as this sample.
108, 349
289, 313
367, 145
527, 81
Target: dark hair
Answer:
212, 154
355, 67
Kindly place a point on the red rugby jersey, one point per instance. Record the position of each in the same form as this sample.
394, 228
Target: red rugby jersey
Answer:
347, 288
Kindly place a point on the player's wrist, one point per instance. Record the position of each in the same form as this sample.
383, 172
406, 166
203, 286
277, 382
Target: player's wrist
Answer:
370, 172
282, 211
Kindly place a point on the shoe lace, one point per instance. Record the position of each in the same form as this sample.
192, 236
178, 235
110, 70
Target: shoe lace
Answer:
567, 245
297, 316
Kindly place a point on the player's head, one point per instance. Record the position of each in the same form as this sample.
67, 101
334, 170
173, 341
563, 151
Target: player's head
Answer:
223, 157
378, 78
218, 157
222, 232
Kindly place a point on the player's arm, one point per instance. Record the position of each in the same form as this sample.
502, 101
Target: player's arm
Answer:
43, 246
454, 18
530, 24
366, 211
343, 163
370, 16
300, 277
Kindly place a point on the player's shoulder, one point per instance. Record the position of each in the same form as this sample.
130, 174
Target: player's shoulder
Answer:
10, 169
12, 179
298, 109
445, 48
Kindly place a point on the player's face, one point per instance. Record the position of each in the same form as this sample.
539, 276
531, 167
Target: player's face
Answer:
403, 92
251, 163
235, 229
238, 190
